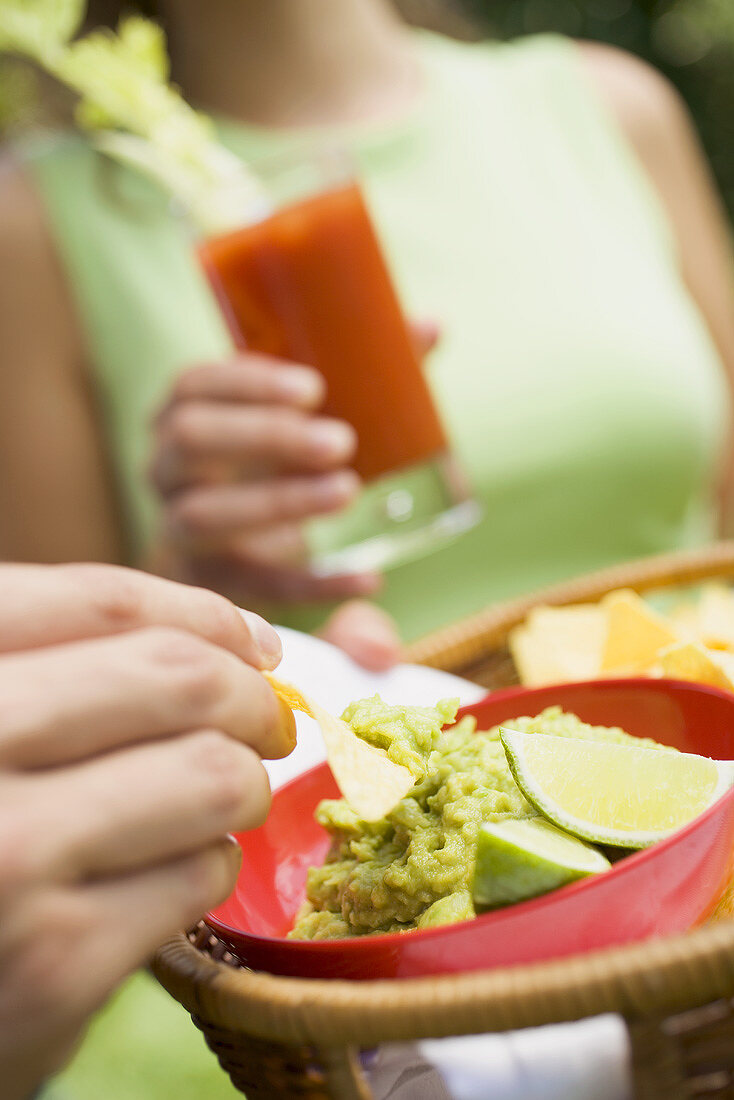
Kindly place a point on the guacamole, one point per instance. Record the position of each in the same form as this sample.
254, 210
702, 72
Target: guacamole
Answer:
414, 868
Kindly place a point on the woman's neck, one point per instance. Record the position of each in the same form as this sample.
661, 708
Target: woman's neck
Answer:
293, 62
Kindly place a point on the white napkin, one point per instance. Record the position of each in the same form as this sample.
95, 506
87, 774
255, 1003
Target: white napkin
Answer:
588, 1060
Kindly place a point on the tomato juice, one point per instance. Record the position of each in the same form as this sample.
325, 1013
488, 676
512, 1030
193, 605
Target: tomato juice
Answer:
308, 283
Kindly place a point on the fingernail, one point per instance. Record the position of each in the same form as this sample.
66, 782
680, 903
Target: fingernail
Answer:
302, 386
286, 725
336, 488
265, 638
366, 584
332, 438
235, 845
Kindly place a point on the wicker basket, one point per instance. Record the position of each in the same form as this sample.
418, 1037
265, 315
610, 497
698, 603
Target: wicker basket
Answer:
288, 1037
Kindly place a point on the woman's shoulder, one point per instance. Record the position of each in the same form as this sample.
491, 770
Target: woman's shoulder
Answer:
21, 214
642, 100
37, 287
22, 210
532, 57
645, 105
34, 165
41, 148
617, 113
630, 83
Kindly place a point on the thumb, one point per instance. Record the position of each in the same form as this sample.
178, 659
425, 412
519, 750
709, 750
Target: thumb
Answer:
366, 633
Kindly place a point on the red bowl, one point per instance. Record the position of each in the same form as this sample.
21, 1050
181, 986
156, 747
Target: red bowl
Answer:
664, 889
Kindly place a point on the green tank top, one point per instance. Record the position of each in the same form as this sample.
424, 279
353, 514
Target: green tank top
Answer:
576, 378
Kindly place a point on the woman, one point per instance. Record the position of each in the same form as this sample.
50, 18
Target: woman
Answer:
545, 204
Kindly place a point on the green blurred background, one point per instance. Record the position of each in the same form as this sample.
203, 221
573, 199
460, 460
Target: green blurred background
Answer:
691, 41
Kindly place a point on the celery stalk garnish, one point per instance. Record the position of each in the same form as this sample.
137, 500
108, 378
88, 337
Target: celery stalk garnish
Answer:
132, 111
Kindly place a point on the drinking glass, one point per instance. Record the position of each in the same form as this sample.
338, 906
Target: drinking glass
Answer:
305, 280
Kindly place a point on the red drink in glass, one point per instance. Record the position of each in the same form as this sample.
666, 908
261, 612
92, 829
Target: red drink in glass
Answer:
308, 282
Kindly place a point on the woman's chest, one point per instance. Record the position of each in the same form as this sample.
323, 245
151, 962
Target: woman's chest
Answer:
568, 343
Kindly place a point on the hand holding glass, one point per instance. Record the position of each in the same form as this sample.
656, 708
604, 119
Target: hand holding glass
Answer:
307, 282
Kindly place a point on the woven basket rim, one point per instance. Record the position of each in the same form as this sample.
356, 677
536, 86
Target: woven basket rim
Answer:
651, 979
449, 645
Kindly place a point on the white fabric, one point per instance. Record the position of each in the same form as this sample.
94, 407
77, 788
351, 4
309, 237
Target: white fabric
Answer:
588, 1060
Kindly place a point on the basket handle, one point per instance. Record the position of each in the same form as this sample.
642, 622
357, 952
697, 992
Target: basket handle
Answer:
343, 1072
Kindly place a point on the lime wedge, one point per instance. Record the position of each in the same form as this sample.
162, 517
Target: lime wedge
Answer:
522, 858
613, 794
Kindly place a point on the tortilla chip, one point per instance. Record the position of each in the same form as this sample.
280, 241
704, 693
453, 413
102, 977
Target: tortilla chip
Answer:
557, 644
635, 633
534, 659
290, 695
684, 620
693, 661
715, 619
725, 660
369, 780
